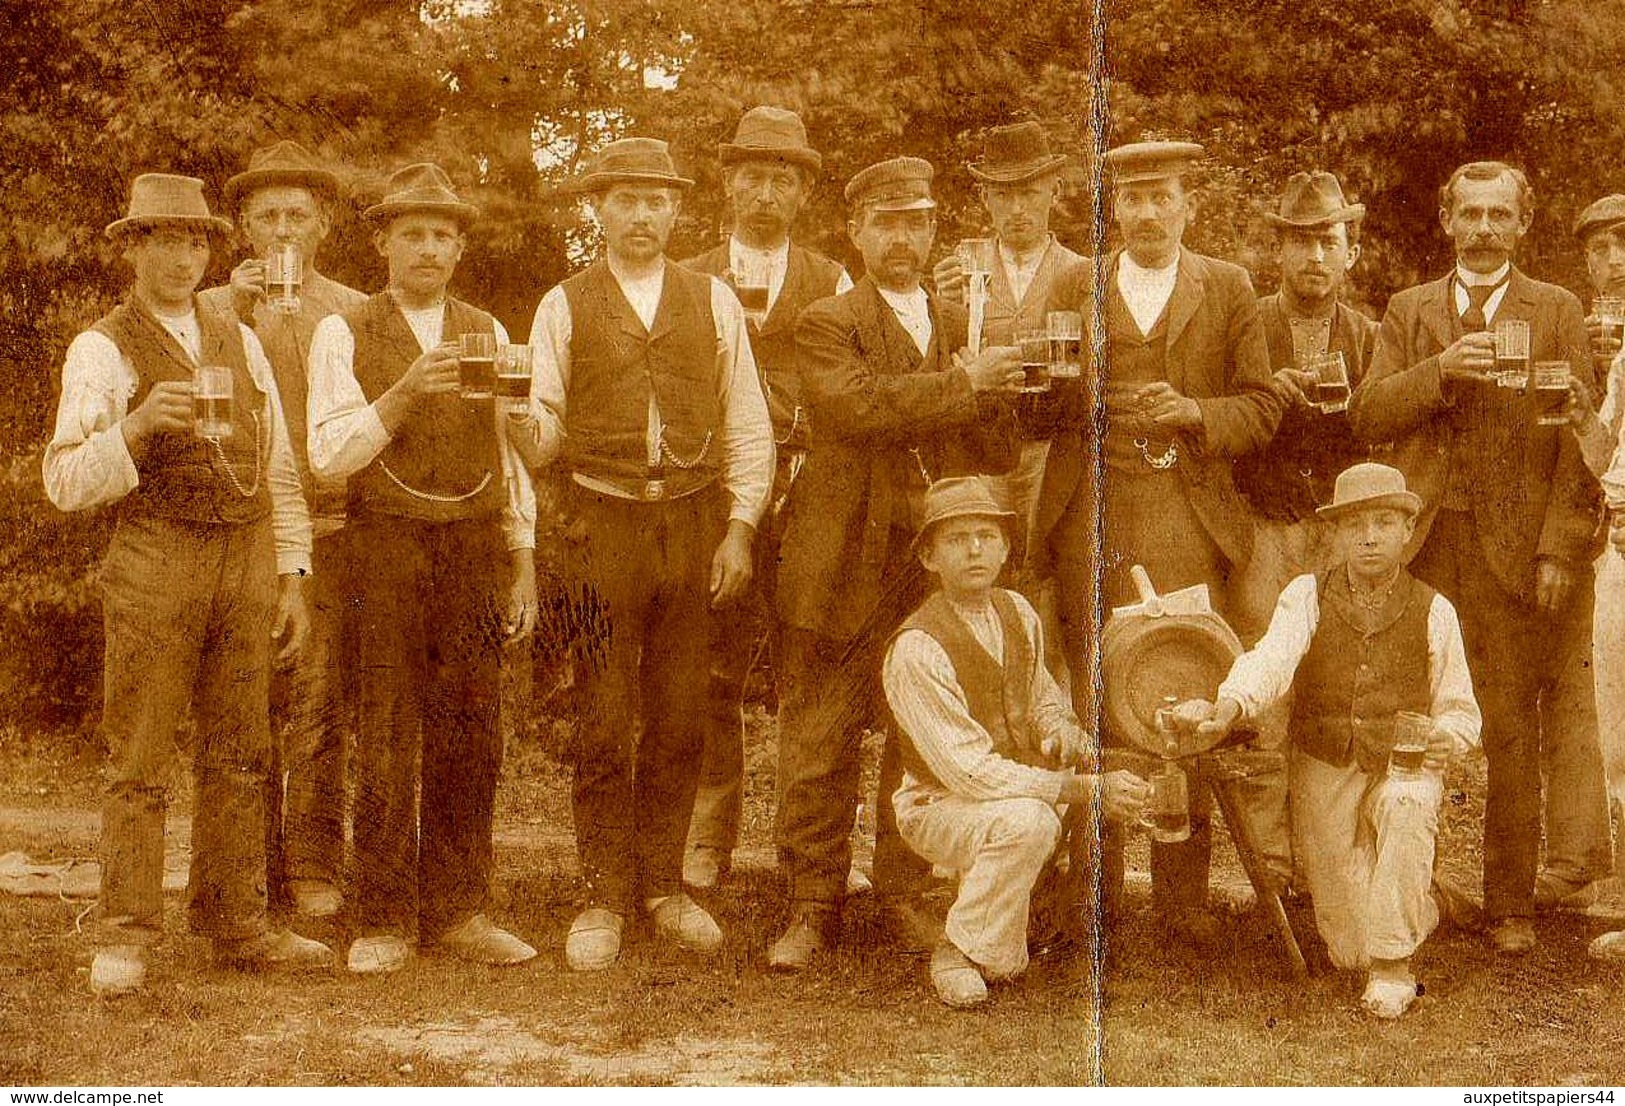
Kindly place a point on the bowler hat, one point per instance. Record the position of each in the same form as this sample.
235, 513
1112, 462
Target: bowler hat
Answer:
1605, 212
630, 161
899, 184
167, 199
286, 162
768, 133
960, 497
1141, 161
1016, 153
1314, 200
424, 189
1367, 485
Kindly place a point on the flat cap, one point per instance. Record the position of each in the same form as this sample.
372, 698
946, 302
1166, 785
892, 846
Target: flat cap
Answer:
1139, 161
1599, 215
900, 184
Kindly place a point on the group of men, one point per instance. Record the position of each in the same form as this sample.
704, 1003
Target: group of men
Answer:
809, 467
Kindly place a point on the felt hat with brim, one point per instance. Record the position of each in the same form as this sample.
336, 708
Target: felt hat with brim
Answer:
165, 199
1314, 200
630, 161
1370, 485
960, 497
1600, 215
421, 189
1142, 161
1016, 153
897, 184
771, 134
286, 163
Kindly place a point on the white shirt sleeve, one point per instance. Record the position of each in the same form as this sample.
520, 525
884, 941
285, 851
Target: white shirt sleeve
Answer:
539, 436
747, 431
1454, 708
1613, 480
290, 514
931, 709
1052, 715
1264, 673
345, 430
87, 463
519, 512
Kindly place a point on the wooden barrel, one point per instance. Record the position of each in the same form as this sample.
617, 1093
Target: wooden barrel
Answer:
1151, 658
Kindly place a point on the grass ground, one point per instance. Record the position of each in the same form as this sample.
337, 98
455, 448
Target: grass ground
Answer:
662, 1017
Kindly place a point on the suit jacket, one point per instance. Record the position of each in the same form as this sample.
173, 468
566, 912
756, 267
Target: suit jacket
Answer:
808, 276
874, 397
1531, 493
1005, 314
1216, 355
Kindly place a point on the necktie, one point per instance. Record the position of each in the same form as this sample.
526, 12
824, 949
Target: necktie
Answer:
1478, 295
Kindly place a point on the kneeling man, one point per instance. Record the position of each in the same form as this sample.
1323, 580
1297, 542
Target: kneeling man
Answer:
1356, 645
988, 738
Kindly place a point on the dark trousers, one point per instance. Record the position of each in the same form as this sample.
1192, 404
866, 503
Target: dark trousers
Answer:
1532, 677
312, 709
429, 622
647, 567
187, 614
831, 694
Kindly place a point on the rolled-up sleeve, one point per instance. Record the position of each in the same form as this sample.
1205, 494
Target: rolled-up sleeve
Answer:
345, 430
87, 463
1454, 707
290, 514
747, 430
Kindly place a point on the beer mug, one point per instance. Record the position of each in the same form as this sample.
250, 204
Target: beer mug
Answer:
1329, 391
211, 401
1411, 733
1550, 380
1511, 354
284, 274
476, 365
1034, 345
1167, 815
1065, 344
1610, 312
750, 281
513, 368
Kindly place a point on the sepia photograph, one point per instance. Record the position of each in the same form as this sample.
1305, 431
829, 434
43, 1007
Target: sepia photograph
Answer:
865, 543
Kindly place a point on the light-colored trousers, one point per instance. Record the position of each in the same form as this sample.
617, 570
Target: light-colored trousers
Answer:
1365, 845
999, 848
1608, 654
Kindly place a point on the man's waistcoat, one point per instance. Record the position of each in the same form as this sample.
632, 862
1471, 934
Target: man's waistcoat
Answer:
616, 364
444, 462
182, 476
1351, 682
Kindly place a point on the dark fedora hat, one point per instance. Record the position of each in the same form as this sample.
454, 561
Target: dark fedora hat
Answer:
768, 133
165, 199
630, 161
425, 189
1314, 200
286, 162
1015, 153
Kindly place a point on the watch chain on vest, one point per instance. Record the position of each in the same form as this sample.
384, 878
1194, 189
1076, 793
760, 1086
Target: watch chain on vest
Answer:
182, 476
615, 365
1353, 680
444, 462
999, 695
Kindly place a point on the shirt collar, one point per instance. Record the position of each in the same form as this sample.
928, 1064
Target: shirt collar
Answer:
1468, 279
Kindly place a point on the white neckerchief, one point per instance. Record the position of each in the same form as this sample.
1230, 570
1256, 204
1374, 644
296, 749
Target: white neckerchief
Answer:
1464, 278
913, 310
776, 259
1020, 269
1146, 292
186, 330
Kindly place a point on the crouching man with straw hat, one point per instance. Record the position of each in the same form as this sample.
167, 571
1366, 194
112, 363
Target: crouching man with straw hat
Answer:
202, 575
988, 741
442, 517
1375, 663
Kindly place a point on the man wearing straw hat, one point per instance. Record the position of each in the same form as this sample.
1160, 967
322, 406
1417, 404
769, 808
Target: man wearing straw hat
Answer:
769, 171
896, 403
1187, 390
1511, 522
285, 198
988, 742
1019, 181
1362, 646
646, 385
202, 575
442, 518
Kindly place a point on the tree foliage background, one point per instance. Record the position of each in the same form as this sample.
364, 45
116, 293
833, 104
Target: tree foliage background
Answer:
509, 95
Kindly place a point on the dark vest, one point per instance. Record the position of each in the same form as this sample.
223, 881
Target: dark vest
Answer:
444, 461
1295, 472
616, 363
1133, 360
182, 476
999, 696
1352, 681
